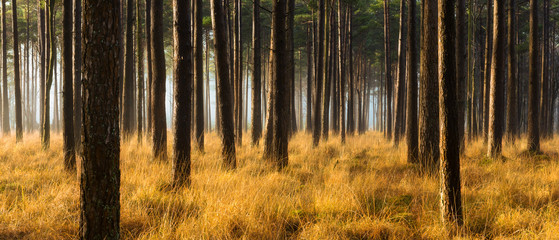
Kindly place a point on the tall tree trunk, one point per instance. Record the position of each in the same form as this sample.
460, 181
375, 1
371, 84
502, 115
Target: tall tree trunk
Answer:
512, 102
497, 86
487, 70
281, 85
256, 75
411, 105
5, 103
45, 141
140, 81
128, 91
77, 73
342, 80
451, 203
159, 128
238, 72
319, 76
100, 173
387, 69
533, 87
68, 106
429, 87
182, 78
461, 87
351, 90
328, 61
544, 95
17, 75
199, 74
224, 86
149, 67
399, 100
310, 79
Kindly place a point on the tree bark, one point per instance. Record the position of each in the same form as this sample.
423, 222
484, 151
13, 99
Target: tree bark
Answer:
387, 69
238, 72
451, 203
199, 75
310, 79
319, 76
17, 75
68, 106
140, 80
496, 88
224, 86
487, 70
256, 75
5, 102
411, 108
342, 79
45, 141
77, 73
399, 100
159, 128
461, 87
149, 79
100, 174
182, 77
128, 91
533, 87
429, 87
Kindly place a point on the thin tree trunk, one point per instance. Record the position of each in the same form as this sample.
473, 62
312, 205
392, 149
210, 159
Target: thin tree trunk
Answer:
68, 106
342, 74
319, 76
310, 65
128, 91
533, 91
461, 87
77, 73
5, 103
387, 69
399, 100
198, 75
149, 67
487, 70
512, 109
140, 77
17, 75
52, 58
256, 75
411, 105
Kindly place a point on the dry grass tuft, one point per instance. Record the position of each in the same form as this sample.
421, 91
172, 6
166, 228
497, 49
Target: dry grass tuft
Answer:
362, 190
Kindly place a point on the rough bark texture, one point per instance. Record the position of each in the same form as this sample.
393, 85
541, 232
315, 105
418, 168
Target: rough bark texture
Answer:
17, 75
128, 91
387, 70
319, 76
428, 87
487, 69
199, 75
238, 72
281, 85
100, 174
77, 72
461, 88
68, 106
496, 98
533, 86
512, 101
224, 86
182, 78
45, 128
256, 112
411, 107
5, 102
451, 204
159, 128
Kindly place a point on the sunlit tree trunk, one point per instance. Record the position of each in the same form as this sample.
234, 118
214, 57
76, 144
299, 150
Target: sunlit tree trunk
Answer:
159, 128
533, 87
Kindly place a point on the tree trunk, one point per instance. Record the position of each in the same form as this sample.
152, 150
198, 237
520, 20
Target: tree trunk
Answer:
224, 86
77, 73
238, 72
182, 77
17, 75
411, 108
387, 69
281, 85
533, 88
140, 81
497, 74
319, 76
199, 75
5, 103
487, 70
451, 203
68, 106
428, 105
52, 58
159, 128
128, 91
256, 75
100, 174
149, 67
461, 87
342, 75
310, 65
399, 100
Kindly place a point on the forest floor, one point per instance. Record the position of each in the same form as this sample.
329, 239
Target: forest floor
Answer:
362, 190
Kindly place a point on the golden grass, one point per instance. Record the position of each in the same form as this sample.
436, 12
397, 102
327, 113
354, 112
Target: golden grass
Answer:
363, 190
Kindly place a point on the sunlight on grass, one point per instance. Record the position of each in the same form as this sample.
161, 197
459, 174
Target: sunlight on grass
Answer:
362, 190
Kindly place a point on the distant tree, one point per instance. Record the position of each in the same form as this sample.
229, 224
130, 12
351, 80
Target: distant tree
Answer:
429, 87
224, 85
5, 102
256, 112
533, 86
68, 106
100, 173
128, 91
159, 128
451, 203
310, 78
17, 75
198, 74
497, 83
182, 82
411, 105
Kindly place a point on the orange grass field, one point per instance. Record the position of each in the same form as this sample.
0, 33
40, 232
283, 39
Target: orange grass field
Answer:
362, 190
